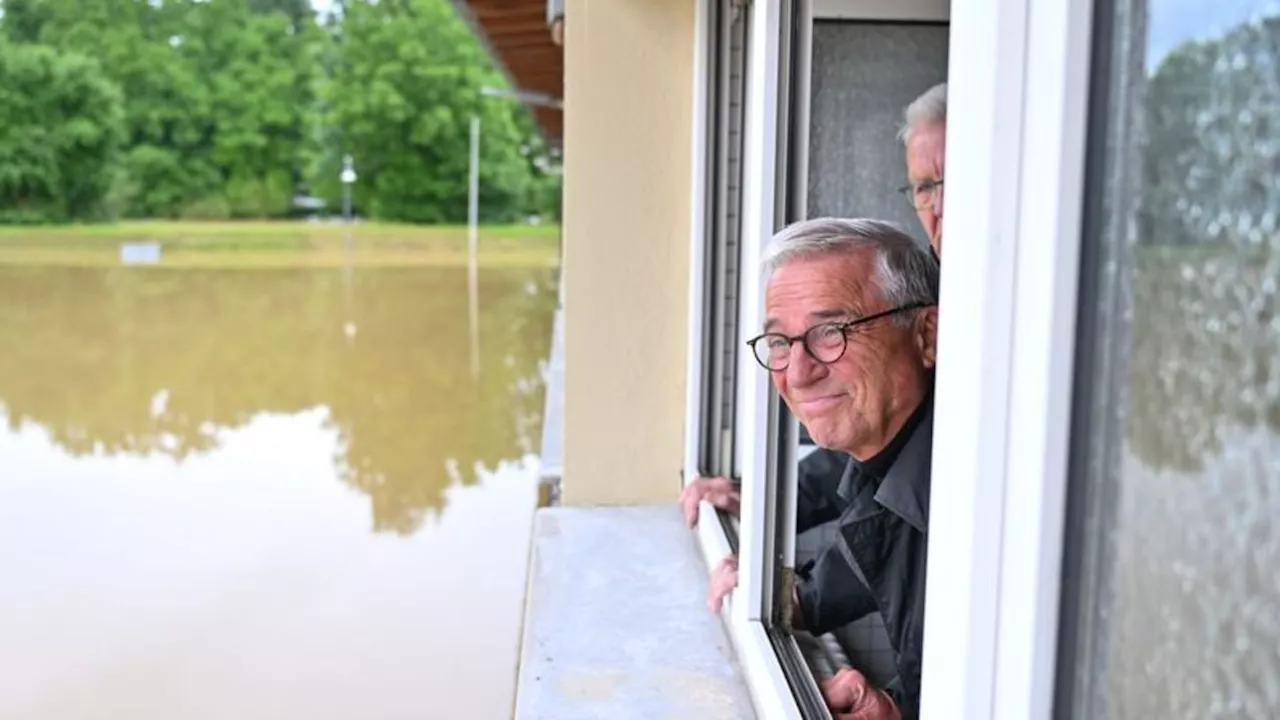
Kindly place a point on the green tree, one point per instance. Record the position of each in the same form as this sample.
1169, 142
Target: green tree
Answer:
406, 82
232, 106
23, 20
165, 102
543, 195
218, 96
1210, 159
259, 68
1207, 231
61, 128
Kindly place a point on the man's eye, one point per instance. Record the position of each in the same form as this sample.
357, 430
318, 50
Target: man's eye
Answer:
776, 342
828, 332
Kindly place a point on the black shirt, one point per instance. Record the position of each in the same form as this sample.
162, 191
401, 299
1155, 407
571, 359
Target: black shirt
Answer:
878, 563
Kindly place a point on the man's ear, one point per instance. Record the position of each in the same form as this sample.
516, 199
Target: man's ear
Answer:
925, 335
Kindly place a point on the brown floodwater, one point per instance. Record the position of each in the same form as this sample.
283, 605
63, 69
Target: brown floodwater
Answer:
266, 493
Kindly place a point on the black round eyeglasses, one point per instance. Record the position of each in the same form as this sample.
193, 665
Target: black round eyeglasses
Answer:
825, 343
921, 195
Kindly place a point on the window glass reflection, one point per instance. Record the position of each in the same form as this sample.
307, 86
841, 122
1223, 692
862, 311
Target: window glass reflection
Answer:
1172, 607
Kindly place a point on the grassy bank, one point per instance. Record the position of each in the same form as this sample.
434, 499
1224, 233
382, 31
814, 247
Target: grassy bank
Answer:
281, 244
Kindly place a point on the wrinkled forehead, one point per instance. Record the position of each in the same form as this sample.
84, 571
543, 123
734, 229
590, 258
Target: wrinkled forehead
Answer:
815, 287
926, 148
928, 134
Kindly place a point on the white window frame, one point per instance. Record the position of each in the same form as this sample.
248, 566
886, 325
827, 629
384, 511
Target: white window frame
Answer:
885, 10
897, 11
769, 689
781, 524
757, 454
777, 529
758, 225
696, 342
1004, 381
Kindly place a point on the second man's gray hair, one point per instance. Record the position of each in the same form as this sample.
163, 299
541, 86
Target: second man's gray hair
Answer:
930, 107
905, 272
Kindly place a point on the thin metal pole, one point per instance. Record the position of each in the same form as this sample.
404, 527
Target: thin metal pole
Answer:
473, 220
346, 216
348, 177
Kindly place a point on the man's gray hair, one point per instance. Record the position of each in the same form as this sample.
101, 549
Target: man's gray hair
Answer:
930, 107
904, 271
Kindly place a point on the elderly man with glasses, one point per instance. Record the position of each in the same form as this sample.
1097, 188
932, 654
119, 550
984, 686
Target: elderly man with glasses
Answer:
924, 133
849, 341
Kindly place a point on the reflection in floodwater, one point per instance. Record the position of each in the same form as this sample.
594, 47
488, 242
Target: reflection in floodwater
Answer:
160, 362
1179, 604
190, 463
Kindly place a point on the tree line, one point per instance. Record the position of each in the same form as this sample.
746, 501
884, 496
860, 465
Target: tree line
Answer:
1210, 150
217, 109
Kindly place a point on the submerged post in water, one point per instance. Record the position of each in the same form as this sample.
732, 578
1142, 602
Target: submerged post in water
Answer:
473, 219
348, 178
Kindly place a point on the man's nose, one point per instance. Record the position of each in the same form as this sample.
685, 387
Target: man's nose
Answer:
802, 369
937, 201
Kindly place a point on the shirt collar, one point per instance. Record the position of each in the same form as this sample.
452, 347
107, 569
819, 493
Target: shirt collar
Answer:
904, 489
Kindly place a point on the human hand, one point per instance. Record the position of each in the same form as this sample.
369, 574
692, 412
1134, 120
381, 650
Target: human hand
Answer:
723, 580
851, 697
719, 491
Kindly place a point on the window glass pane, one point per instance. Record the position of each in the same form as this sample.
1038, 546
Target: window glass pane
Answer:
864, 75
1172, 587
726, 85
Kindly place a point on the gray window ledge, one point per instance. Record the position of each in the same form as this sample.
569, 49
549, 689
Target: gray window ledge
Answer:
616, 623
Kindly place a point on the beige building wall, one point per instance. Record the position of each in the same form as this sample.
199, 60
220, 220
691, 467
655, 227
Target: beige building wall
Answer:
628, 91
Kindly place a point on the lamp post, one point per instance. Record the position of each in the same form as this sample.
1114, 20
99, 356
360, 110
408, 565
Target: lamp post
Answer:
473, 207
527, 97
473, 237
348, 178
